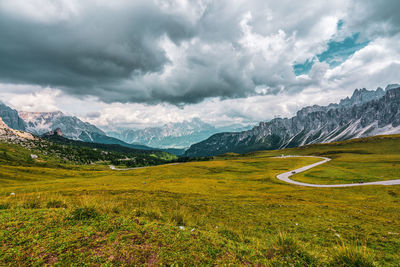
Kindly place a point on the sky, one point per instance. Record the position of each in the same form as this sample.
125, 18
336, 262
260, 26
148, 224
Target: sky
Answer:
149, 62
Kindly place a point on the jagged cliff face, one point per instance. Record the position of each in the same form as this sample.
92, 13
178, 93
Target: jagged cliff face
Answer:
11, 118
366, 113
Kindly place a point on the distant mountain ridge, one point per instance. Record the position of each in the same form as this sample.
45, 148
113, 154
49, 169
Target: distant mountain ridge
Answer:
172, 135
366, 113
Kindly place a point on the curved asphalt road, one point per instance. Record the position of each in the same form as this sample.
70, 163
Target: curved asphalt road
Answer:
285, 176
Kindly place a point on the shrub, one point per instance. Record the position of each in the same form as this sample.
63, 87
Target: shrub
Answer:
352, 256
84, 213
56, 204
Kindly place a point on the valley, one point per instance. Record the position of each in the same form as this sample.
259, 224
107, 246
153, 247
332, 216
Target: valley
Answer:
231, 209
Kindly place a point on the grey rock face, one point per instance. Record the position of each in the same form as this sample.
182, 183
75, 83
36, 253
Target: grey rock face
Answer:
366, 113
11, 118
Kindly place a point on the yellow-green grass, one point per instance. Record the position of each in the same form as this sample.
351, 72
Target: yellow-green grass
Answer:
233, 210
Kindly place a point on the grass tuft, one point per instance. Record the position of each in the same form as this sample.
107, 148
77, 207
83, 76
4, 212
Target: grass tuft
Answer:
85, 213
178, 219
354, 256
288, 251
286, 245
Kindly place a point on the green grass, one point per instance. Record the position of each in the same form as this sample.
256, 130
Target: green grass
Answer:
231, 210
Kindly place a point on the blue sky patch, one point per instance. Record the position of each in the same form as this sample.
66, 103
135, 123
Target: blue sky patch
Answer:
336, 53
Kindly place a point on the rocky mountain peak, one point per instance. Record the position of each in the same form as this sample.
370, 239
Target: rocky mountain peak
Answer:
361, 96
391, 86
57, 132
393, 93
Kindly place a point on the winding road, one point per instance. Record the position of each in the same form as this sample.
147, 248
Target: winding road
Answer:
285, 176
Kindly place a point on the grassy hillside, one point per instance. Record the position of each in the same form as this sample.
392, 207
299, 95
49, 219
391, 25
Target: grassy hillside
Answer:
57, 151
229, 210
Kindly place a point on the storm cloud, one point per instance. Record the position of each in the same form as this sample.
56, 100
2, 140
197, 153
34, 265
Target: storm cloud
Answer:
178, 52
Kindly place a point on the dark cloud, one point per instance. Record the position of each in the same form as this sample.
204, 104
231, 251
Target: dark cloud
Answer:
98, 49
374, 18
158, 51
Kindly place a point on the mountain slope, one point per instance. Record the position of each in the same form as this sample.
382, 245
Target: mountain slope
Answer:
8, 134
123, 153
367, 114
11, 118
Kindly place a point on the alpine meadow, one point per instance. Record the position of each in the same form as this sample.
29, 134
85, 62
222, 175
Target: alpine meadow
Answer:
199, 133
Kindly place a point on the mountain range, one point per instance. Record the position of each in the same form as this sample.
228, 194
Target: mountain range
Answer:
366, 113
178, 135
39, 123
